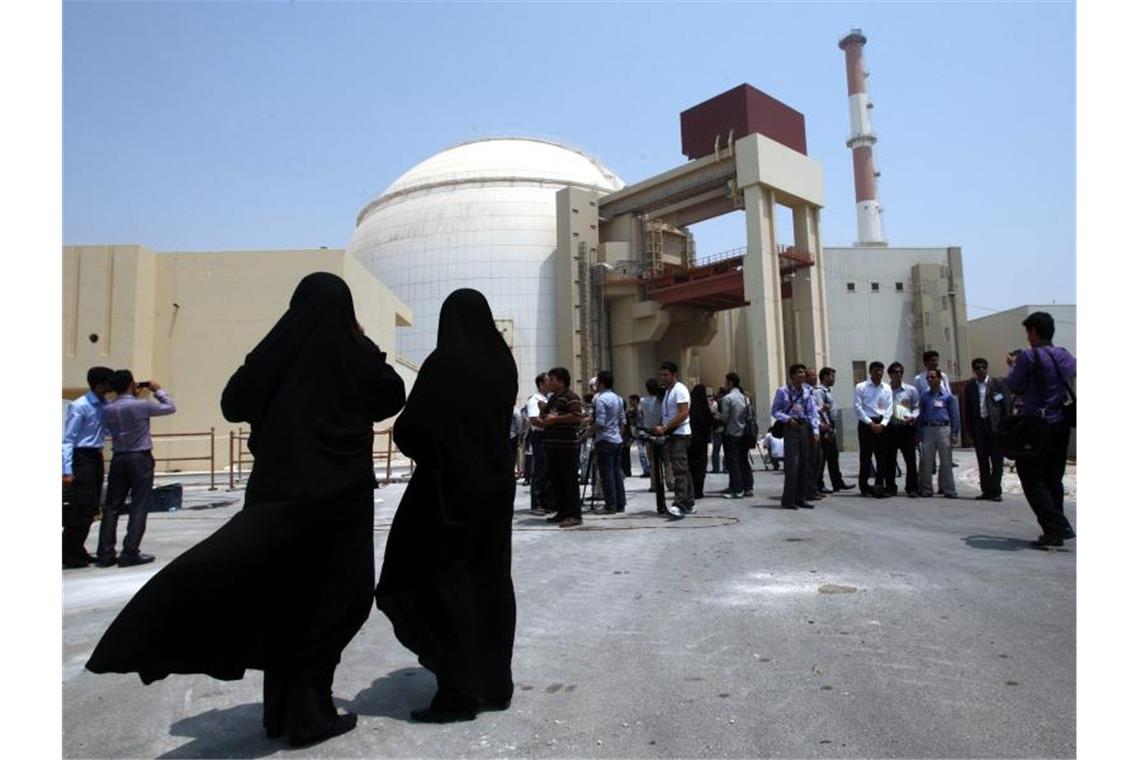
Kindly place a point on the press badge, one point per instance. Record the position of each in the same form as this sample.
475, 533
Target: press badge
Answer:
939, 404
998, 397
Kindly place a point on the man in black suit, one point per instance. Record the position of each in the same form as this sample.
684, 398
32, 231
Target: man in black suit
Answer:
987, 401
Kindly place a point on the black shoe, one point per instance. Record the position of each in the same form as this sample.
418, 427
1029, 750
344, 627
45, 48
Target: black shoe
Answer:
431, 715
72, 563
994, 498
950, 496
787, 506
554, 518
128, 560
827, 490
343, 724
1065, 534
879, 493
981, 497
912, 494
109, 561
486, 705
805, 505
1048, 542
844, 487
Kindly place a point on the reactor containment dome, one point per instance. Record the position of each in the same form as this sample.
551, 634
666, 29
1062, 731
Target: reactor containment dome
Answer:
479, 215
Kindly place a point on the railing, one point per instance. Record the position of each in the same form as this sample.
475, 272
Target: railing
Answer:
207, 434
239, 441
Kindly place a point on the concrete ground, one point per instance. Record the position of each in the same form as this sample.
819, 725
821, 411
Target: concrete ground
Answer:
862, 628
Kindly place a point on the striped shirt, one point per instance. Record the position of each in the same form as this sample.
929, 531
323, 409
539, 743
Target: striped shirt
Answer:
563, 434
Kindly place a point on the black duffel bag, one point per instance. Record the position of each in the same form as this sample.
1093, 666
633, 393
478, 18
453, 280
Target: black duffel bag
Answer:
1020, 436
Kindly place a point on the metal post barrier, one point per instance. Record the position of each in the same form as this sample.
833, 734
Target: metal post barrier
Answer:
212, 486
231, 460
389, 475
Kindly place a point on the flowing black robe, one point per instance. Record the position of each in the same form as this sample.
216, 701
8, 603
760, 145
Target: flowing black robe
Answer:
287, 582
446, 578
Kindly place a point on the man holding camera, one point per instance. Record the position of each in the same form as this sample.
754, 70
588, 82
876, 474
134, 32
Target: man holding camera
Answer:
132, 466
794, 406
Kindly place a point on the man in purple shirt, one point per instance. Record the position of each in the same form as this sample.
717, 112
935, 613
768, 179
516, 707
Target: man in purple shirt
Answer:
794, 406
1038, 375
132, 466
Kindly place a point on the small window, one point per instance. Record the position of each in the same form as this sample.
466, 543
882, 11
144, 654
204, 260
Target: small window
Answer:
926, 319
850, 287
874, 287
858, 371
946, 330
898, 287
945, 303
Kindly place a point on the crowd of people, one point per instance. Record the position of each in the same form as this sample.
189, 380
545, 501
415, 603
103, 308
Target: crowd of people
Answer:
921, 421
290, 577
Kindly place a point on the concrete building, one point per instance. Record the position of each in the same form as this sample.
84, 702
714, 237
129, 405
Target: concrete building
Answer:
188, 318
995, 335
479, 215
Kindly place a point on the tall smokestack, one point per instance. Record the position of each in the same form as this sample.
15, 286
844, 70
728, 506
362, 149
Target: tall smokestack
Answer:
867, 208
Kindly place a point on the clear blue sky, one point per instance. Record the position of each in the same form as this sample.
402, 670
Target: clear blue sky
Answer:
225, 126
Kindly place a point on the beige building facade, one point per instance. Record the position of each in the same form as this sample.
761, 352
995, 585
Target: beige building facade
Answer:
188, 318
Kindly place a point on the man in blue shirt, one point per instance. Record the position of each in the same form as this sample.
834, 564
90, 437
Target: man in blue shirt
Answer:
83, 434
609, 418
938, 421
794, 406
1039, 376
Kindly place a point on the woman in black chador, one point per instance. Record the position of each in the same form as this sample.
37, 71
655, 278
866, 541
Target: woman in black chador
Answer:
701, 424
446, 579
284, 585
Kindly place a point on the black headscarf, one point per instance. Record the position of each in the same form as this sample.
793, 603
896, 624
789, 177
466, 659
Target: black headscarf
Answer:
700, 416
310, 391
471, 367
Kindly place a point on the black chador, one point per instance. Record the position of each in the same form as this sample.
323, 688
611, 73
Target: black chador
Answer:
287, 582
446, 579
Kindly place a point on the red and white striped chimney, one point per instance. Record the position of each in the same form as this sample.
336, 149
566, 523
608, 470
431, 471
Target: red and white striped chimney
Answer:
867, 209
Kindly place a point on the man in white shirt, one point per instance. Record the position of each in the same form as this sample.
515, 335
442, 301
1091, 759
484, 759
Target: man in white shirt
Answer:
873, 404
675, 425
535, 405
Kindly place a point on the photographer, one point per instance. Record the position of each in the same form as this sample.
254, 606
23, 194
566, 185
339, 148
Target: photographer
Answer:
795, 407
132, 466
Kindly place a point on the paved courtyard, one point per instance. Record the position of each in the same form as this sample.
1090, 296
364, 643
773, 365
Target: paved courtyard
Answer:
862, 628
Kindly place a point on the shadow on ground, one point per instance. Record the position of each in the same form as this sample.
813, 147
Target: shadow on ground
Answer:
234, 732
998, 543
394, 695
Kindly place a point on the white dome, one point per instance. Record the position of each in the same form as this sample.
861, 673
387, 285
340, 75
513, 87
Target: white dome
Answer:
502, 159
479, 215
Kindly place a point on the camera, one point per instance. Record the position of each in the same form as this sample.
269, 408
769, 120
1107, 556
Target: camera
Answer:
145, 384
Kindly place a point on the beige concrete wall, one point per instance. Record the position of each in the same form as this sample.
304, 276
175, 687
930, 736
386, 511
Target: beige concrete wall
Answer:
995, 335
187, 319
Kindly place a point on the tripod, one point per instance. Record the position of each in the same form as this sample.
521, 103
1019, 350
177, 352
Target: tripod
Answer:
591, 481
657, 445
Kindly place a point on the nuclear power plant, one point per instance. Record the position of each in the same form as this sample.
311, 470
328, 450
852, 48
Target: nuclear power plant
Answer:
580, 268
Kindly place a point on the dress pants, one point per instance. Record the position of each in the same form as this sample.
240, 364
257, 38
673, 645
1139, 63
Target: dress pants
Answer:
538, 476
698, 464
82, 502
871, 444
131, 472
677, 451
901, 438
1041, 480
717, 442
736, 462
936, 441
814, 468
797, 459
829, 453
990, 462
562, 471
610, 474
